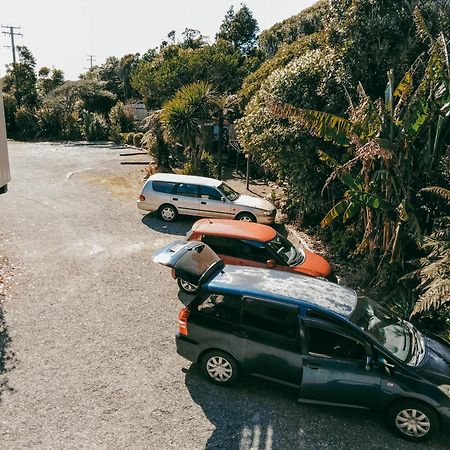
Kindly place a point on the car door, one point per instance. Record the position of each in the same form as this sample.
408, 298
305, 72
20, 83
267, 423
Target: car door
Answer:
267, 341
214, 204
186, 199
336, 368
223, 246
251, 253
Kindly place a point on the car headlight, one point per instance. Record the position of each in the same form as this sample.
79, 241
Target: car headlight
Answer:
445, 388
268, 213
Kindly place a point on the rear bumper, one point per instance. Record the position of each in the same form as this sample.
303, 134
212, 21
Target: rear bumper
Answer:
187, 348
145, 206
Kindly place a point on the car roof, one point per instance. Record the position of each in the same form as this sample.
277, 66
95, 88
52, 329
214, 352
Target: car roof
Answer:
286, 286
177, 178
234, 229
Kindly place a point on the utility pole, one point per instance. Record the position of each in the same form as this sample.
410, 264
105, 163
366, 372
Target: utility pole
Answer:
11, 32
91, 59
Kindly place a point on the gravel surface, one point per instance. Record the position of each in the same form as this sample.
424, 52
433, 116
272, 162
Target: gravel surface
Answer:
87, 355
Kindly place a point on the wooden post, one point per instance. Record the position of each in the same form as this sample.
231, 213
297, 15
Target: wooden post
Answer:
247, 176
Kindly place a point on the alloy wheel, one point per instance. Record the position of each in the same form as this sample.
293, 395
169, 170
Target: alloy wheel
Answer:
413, 423
168, 213
219, 369
186, 286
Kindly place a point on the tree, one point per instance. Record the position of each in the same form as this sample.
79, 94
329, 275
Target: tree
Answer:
391, 152
192, 39
240, 28
20, 80
49, 80
158, 80
183, 115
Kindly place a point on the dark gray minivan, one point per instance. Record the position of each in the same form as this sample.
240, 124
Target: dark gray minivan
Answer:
335, 347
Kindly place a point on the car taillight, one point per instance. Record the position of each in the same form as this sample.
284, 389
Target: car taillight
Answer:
142, 198
182, 321
174, 274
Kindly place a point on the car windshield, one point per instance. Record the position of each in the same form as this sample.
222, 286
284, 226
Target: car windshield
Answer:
393, 333
289, 254
229, 193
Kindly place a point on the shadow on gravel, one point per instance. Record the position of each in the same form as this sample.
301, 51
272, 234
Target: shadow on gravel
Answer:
178, 228
259, 415
5, 355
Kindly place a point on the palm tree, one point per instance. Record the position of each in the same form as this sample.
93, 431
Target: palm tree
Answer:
183, 115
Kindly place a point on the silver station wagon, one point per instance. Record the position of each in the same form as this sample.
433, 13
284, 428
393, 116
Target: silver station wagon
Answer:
172, 194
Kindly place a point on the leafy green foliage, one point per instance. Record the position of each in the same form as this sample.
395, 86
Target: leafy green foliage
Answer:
240, 29
307, 22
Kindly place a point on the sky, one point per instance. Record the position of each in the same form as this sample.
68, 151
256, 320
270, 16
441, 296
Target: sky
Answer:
61, 33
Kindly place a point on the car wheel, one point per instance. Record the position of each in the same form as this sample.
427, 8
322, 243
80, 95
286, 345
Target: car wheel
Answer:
220, 368
246, 217
413, 420
168, 213
187, 287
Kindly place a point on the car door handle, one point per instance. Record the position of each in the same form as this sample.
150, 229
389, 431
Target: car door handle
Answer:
313, 366
174, 199
203, 203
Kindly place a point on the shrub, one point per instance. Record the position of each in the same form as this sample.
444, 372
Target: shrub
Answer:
130, 138
209, 166
121, 121
137, 139
93, 126
26, 124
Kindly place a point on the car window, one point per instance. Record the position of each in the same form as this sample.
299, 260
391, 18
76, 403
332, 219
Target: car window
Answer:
219, 244
163, 186
271, 317
219, 306
253, 250
326, 343
188, 190
210, 193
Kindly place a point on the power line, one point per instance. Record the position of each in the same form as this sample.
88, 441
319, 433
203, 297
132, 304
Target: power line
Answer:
11, 32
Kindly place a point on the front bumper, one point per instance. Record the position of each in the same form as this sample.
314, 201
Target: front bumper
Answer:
444, 412
266, 220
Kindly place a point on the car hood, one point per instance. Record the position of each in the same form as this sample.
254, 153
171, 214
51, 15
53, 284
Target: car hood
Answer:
314, 265
436, 365
254, 202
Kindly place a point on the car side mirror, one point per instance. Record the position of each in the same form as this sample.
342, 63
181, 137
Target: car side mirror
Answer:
271, 263
223, 199
387, 366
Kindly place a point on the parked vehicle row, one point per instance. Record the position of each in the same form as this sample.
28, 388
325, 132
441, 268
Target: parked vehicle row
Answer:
335, 347
259, 305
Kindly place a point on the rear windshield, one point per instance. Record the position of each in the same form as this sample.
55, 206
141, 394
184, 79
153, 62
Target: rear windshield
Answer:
163, 186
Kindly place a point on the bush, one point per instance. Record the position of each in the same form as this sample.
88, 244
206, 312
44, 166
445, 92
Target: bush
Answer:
137, 139
26, 124
10, 105
121, 121
209, 166
94, 126
130, 138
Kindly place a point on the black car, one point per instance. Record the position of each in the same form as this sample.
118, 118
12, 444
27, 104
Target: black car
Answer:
335, 347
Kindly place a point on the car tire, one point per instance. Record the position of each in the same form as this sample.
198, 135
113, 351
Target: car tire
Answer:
220, 368
186, 287
168, 213
246, 217
413, 420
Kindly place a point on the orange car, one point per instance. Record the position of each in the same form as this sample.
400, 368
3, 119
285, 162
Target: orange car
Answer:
257, 245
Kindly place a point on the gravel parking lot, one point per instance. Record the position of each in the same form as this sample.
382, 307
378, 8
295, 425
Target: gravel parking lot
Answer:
87, 354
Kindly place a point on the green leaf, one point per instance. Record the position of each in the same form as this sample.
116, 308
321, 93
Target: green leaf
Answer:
334, 212
320, 124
